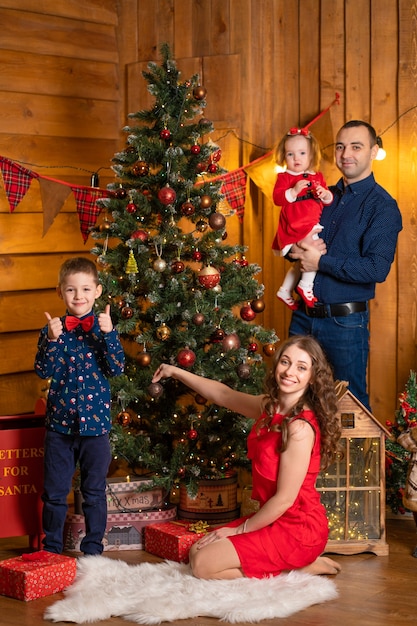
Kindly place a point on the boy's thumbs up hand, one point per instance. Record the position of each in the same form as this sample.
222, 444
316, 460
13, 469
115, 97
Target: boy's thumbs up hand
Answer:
104, 320
55, 328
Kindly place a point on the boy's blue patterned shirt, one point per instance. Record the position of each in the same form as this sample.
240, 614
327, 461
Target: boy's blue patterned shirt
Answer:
79, 364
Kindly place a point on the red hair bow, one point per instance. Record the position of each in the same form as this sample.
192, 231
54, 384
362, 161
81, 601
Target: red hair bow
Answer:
299, 131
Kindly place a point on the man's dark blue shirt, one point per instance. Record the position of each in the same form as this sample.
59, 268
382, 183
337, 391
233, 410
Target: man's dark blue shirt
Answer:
360, 229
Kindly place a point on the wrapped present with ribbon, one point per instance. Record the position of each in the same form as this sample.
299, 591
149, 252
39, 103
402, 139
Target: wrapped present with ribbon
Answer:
173, 540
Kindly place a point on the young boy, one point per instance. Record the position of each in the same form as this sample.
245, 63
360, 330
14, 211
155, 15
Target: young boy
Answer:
78, 352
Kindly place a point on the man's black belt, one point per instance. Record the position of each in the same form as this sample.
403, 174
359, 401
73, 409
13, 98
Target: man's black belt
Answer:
333, 310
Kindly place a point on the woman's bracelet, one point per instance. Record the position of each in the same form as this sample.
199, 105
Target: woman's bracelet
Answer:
244, 526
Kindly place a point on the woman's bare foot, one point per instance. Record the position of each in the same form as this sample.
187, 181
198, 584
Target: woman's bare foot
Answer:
322, 565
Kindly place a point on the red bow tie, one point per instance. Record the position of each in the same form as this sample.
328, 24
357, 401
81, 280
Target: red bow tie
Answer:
72, 322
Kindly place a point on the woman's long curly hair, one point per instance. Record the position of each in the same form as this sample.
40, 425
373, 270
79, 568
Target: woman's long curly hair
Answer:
319, 396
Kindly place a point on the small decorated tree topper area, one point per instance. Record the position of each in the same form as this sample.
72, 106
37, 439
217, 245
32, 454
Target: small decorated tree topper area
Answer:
179, 292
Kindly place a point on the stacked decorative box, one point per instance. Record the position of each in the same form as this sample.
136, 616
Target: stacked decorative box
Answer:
28, 580
130, 509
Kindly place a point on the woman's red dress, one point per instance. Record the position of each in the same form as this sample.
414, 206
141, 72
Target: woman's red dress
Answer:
299, 536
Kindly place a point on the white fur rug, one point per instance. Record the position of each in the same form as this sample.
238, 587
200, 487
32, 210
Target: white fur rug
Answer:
151, 593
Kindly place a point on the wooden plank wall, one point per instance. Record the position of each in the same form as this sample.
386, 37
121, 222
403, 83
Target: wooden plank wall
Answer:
60, 101
267, 65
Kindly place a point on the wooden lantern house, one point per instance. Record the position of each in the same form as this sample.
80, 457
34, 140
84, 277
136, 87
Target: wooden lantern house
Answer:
353, 488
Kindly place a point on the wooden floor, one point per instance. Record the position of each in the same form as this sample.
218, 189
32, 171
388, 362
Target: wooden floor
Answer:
373, 590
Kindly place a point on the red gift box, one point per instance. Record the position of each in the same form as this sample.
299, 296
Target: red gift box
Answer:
173, 540
28, 580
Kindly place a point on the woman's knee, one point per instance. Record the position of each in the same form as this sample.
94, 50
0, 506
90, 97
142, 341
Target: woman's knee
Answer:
198, 564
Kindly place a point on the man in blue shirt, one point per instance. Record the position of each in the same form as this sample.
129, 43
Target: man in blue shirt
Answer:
359, 238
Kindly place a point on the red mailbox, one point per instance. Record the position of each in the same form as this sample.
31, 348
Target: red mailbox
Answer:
21, 474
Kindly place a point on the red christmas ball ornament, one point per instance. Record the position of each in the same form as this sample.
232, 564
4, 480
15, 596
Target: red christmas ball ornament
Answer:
217, 336
269, 349
187, 208
201, 167
181, 472
199, 92
206, 202
165, 134
192, 434
155, 390
247, 313
195, 148
167, 195
231, 342
258, 305
244, 262
200, 399
252, 347
212, 168
140, 234
126, 312
186, 358
217, 221
120, 193
198, 319
177, 267
216, 156
197, 255
131, 208
209, 277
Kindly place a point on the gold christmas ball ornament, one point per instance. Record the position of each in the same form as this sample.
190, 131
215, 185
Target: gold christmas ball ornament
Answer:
258, 305
124, 418
201, 226
209, 277
199, 92
140, 168
159, 265
269, 349
217, 221
155, 390
163, 332
198, 319
231, 342
144, 359
206, 202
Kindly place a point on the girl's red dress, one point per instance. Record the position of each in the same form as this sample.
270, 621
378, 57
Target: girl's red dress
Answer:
296, 218
299, 536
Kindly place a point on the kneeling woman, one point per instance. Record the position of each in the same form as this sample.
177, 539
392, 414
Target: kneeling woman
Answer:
294, 436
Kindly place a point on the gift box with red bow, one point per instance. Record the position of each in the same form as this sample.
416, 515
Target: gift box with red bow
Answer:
28, 580
173, 540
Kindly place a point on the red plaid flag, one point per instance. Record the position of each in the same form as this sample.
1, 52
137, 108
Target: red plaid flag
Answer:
88, 211
234, 188
17, 181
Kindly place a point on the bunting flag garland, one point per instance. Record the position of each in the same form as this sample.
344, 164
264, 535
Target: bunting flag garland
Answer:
53, 195
88, 211
17, 180
262, 172
234, 189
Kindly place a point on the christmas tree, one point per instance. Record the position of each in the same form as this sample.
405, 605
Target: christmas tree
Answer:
178, 292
